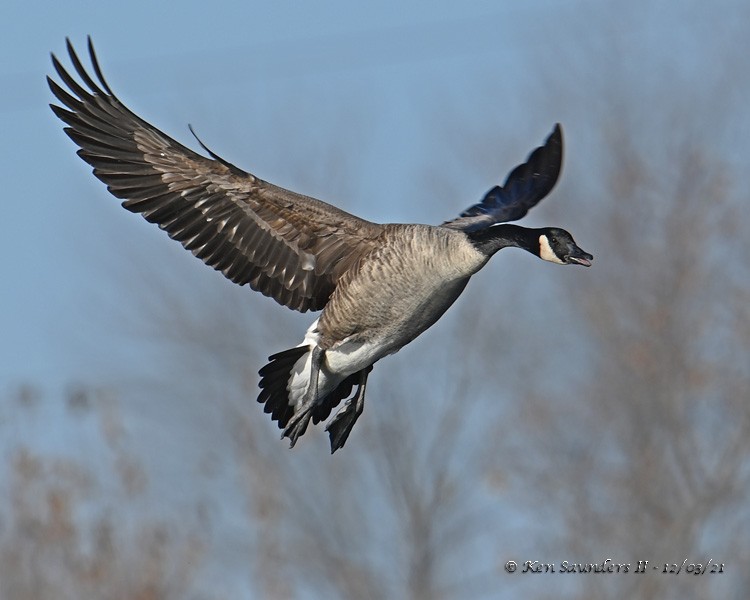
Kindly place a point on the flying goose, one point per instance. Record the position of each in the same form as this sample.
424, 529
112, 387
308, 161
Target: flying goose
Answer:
378, 285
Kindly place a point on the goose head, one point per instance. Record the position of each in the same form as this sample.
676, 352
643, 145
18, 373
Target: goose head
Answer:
558, 246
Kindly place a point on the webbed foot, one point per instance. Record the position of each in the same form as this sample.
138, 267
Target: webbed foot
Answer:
342, 423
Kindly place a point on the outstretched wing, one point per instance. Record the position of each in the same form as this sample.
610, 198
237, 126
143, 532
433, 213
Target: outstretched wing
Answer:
290, 247
526, 185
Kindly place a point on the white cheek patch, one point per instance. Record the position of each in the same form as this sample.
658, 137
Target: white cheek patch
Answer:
546, 252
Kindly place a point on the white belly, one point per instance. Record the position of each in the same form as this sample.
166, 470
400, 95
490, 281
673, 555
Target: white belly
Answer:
346, 358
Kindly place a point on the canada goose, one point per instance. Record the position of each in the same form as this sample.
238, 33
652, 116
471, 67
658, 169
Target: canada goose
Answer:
379, 286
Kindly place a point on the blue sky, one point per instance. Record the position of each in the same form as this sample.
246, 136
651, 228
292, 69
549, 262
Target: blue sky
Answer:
375, 99
240, 73
270, 84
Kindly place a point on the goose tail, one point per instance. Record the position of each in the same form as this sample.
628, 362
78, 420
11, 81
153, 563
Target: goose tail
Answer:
278, 376
274, 384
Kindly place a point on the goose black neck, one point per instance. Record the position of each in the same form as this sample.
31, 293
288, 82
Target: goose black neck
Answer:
490, 240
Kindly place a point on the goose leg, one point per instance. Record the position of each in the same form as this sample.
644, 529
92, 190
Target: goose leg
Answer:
298, 423
341, 425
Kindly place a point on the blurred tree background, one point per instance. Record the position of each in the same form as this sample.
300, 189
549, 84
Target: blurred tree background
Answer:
553, 414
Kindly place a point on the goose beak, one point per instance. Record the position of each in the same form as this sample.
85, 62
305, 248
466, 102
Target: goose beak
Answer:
578, 257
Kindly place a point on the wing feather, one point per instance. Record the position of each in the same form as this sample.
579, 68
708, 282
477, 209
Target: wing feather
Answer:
290, 247
524, 187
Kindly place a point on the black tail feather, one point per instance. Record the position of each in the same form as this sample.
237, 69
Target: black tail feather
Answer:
273, 383
275, 396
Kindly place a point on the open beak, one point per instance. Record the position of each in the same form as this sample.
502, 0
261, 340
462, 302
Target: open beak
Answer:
579, 257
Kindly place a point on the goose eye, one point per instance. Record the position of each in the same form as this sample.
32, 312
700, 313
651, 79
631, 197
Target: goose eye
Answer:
553, 240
